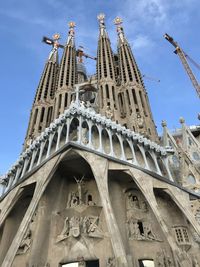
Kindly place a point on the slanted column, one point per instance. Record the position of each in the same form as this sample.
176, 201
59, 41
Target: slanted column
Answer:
58, 140
111, 143
133, 152
122, 147
156, 163
144, 157
67, 133
25, 166
42, 145
165, 162
100, 139
2, 187
50, 143
90, 133
79, 132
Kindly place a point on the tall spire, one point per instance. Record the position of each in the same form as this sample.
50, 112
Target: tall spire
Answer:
133, 99
67, 74
128, 67
106, 73
41, 113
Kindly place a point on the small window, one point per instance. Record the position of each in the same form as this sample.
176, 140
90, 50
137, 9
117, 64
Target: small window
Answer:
182, 237
146, 263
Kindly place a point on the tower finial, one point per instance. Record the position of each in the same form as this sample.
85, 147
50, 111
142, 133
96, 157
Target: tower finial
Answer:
101, 19
56, 37
71, 25
118, 22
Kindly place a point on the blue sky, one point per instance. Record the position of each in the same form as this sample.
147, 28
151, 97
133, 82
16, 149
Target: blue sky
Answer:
24, 22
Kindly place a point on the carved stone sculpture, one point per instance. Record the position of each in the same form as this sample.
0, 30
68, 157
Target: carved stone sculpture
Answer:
111, 262
148, 233
76, 226
109, 113
26, 243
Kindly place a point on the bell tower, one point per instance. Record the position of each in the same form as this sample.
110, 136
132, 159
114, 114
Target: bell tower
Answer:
106, 73
67, 74
42, 109
133, 100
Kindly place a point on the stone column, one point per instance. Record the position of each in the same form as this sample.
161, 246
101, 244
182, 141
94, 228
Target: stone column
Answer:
99, 167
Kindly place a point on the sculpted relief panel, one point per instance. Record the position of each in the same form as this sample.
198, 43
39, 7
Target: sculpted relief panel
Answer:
138, 219
82, 215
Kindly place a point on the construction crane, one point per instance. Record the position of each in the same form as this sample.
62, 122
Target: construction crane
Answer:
183, 57
80, 54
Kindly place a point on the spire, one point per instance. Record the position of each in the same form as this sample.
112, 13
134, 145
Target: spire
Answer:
41, 113
128, 67
106, 71
70, 39
67, 74
133, 100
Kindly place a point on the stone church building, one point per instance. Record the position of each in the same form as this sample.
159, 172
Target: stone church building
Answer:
95, 186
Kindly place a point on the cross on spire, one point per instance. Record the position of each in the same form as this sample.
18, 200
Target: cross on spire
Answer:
54, 42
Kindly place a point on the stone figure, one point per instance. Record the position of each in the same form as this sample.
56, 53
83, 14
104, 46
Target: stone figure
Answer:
80, 185
184, 259
133, 201
73, 200
26, 243
134, 231
76, 198
74, 225
85, 225
65, 230
164, 260
148, 234
111, 262
140, 121
160, 259
195, 263
109, 113
143, 206
197, 216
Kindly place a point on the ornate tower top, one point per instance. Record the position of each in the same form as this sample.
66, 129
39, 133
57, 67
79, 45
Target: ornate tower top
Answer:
53, 56
118, 22
71, 34
101, 19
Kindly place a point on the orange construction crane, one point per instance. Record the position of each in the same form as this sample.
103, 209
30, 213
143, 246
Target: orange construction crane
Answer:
80, 54
183, 57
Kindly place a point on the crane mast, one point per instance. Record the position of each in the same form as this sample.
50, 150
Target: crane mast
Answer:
182, 55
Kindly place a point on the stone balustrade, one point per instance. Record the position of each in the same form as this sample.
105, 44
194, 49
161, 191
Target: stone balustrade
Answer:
83, 126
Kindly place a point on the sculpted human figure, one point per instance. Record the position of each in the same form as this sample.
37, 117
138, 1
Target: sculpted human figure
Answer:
80, 185
133, 201
110, 262
148, 234
195, 263
65, 231
134, 229
109, 113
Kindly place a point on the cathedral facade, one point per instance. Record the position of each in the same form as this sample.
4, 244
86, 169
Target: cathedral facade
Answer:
95, 186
